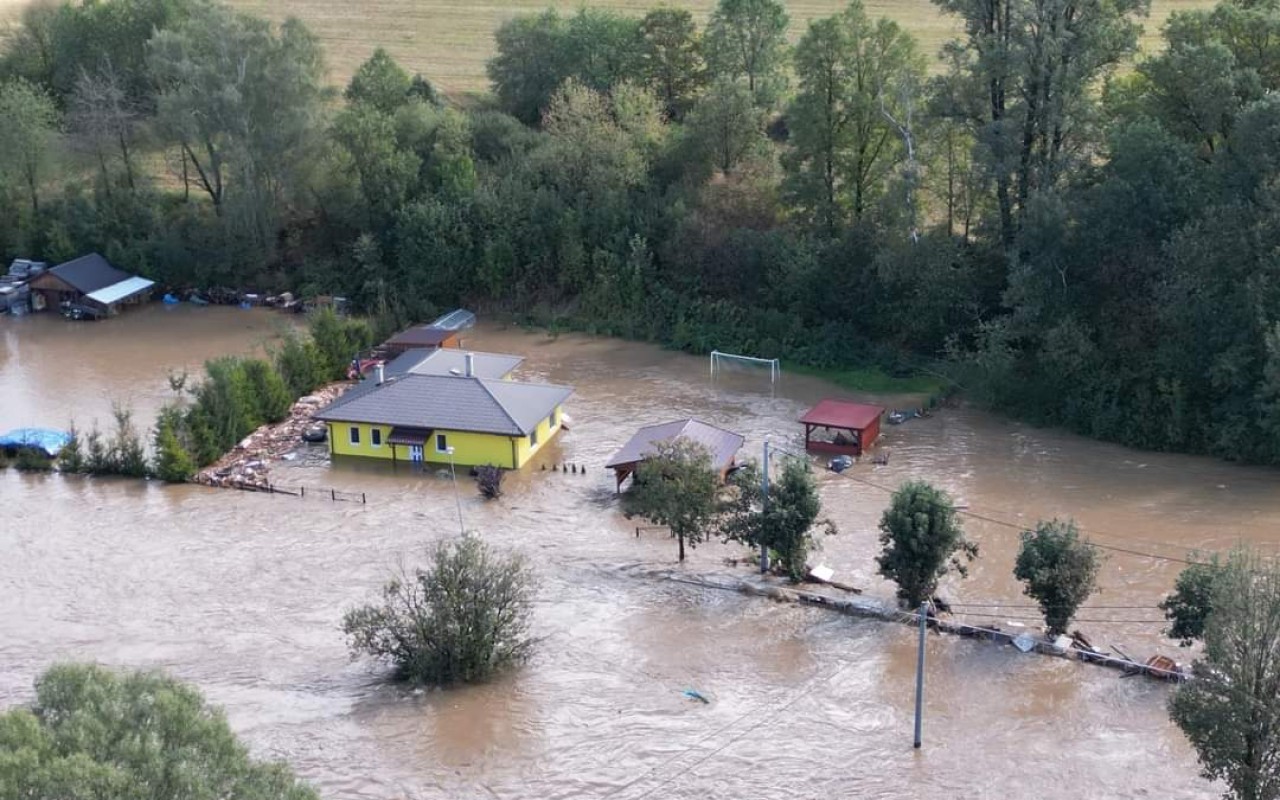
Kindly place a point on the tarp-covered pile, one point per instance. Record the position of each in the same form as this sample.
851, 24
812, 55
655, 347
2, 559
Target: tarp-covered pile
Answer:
46, 440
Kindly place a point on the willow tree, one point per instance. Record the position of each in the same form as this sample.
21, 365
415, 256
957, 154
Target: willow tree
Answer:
677, 487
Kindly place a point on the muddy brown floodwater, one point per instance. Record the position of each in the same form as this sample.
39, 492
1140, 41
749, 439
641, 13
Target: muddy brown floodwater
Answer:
241, 594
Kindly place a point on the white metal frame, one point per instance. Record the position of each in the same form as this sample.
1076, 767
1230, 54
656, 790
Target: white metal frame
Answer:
775, 365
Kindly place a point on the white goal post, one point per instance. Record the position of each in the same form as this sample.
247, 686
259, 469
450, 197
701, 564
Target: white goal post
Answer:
718, 359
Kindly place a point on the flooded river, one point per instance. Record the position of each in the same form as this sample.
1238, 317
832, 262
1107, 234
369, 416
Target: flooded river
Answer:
242, 594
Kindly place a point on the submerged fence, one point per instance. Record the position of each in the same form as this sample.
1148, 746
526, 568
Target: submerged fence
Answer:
294, 490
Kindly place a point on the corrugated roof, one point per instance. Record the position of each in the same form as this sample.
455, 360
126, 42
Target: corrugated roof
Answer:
453, 403
119, 291
842, 414
89, 273
484, 365
723, 445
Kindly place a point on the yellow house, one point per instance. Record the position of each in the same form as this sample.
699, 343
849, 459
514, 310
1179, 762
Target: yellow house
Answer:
417, 416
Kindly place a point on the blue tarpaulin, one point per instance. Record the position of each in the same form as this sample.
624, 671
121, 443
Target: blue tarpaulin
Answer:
46, 440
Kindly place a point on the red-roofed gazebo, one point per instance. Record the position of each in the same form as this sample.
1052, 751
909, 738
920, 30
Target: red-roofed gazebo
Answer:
840, 427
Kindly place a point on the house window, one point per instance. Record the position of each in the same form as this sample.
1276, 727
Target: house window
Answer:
375, 437
442, 443
533, 438
355, 435
555, 417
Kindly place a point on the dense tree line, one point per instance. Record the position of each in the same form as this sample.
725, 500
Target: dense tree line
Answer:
1082, 234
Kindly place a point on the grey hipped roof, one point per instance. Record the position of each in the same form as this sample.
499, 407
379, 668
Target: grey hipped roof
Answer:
453, 403
721, 444
89, 273
444, 362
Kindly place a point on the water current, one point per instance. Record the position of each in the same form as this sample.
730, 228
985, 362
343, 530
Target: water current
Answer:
241, 594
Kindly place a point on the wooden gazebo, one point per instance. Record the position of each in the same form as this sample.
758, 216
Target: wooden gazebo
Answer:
841, 428
721, 445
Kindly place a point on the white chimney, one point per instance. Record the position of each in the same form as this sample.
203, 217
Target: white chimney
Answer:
471, 366
379, 375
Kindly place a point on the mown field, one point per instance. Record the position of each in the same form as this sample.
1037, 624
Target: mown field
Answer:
449, 40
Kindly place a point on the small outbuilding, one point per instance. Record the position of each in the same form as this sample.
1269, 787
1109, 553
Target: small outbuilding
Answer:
723, 446
422, 337
841, 428
91, 282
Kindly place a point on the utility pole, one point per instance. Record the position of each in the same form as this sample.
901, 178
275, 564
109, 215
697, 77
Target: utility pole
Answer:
920, 676
764, 504
453, 473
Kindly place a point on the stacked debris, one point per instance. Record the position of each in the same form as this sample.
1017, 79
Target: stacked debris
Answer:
248, 465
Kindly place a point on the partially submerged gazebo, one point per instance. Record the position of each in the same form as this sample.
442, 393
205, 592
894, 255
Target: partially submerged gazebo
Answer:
723, 446
840, 427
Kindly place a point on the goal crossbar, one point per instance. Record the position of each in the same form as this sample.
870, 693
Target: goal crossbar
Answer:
774, 364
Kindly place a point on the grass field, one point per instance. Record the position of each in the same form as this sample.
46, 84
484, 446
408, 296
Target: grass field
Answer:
449, 41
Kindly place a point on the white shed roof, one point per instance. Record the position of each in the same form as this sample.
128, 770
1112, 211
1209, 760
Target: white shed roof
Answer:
119, 291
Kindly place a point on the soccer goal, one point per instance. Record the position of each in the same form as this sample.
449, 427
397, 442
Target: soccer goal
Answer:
721, 360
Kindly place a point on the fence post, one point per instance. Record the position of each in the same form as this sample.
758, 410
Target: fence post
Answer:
302, 492
333, 495
363, 501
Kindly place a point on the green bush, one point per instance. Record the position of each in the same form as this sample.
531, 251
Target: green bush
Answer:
173, 462
31, 460
922, 541
71, 457
460, 620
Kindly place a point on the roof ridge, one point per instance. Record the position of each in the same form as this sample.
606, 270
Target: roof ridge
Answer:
484, 384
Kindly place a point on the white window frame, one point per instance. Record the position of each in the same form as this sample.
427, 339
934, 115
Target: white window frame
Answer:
375, 437
442, 438
353, 435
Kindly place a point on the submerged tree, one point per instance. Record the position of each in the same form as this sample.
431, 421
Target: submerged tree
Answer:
676, 486
786, 522
173, 462
1060, 571
1229, 709
922, 541
94, 733
460, 620
1190, 603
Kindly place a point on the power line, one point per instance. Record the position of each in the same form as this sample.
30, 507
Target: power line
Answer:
1073, 619
1034, 605
1018, 527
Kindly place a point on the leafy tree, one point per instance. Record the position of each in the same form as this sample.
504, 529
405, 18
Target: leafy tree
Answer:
786, 523
269, 390
26, 137
529, 63
1190, 603
1060, 571
852, 74
94, 733
298, 363
1023, 76
922, 541
1228, 710
676, 486
379, 84
173, 463
240, 101
460, 620
747, 39
726, 126
105, 119
670, 59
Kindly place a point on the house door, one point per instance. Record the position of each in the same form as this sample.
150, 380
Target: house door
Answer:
415, 453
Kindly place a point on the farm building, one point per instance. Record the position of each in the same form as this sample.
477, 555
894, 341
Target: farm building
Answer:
89, 282
841, 428
443, 408
723, 446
